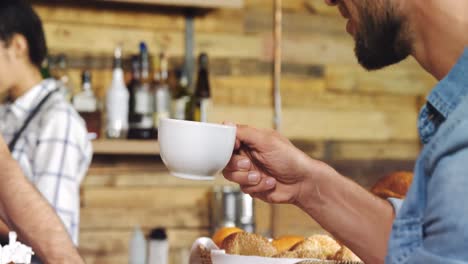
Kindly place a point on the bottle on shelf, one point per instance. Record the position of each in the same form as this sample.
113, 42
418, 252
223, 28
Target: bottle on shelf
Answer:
202, 96
88, 106
137, 247
181, 97
61, 74
117, 101
45, 68
141, 99
158, 247
162, 94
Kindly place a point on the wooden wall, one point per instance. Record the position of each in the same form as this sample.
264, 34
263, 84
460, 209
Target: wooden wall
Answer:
362, 123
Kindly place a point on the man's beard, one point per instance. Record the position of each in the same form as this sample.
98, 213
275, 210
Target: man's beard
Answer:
382, 37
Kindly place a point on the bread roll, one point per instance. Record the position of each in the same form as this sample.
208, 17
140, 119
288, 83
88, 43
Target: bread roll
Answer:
394, 185
247, 244
321, 245
285, 243
344, 254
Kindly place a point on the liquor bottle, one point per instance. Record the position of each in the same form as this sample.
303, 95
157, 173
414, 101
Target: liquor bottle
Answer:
141, 99
61, 75
202, 96
162, 94
45, 68
88, 107
181, 97
117, 101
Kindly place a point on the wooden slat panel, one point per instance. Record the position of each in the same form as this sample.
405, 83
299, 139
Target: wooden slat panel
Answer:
398, 79
187, 3
150, 197
79, 39
322, 124
124, 218
290, 220
295, 23
116, 242
125, 147
114, 178
139, 17
371, 150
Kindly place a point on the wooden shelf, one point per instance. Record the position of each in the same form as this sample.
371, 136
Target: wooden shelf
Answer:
125, 147
187, 3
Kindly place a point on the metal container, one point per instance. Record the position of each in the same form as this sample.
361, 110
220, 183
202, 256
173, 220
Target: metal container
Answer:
245, 212
224, 207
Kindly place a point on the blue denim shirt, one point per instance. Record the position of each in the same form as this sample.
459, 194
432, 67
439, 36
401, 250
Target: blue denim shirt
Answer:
431, 225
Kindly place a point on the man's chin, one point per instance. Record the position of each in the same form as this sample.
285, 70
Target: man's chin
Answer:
376, 60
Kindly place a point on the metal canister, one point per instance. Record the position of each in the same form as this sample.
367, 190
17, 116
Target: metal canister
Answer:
224, 210
245, 212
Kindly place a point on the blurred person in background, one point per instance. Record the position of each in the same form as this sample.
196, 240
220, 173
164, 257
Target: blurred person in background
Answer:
26, 212
44, 133
431, 224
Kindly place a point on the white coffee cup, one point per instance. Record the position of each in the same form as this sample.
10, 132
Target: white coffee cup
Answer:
194, 150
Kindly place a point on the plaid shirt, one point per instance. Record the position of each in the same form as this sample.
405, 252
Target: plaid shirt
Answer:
53, 152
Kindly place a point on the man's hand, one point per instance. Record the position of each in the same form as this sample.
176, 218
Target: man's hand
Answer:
269, 167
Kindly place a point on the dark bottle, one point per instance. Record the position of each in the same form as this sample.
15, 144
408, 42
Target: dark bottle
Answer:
141, 102
202, 96
88, 107
45, 68
181, 97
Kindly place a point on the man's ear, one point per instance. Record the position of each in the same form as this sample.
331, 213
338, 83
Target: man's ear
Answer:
18, 47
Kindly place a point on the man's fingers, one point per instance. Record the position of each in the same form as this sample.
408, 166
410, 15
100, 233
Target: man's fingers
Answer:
249, 178
249, 135
238, 163
266, 184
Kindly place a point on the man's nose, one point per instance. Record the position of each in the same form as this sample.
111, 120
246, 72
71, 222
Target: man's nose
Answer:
331, 2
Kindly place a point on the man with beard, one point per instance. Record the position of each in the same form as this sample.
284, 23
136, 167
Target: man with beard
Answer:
431, 225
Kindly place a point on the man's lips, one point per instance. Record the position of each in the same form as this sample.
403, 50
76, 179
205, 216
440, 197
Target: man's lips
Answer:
344, 11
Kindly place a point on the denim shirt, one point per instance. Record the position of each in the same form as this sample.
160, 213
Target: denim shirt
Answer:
431, 225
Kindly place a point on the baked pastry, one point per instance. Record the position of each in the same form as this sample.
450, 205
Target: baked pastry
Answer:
321, 246
224, 232
285, 243
344, 254
247, 244
394, 185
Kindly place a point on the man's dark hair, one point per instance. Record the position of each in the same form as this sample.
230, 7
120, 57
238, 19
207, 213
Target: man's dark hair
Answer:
18, 17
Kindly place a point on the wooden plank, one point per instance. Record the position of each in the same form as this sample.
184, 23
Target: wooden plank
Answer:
114, 178
153, 18
258, 21
126, 147
145, 198
263, 218
96, 242
300, 123
187, 3
371, 150
326, 124
313, 48
399, 79
290, 220
120, 218
256, 90
176, 256
89, 39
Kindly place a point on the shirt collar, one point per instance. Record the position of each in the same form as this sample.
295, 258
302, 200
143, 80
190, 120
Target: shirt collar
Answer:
448, 93
24, 104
